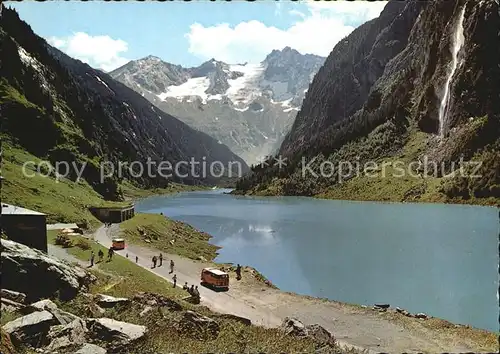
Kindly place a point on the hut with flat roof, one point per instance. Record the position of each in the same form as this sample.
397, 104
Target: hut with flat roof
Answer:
113, 214
25, 226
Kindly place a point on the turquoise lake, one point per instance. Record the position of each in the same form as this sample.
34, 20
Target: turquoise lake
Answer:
432, 258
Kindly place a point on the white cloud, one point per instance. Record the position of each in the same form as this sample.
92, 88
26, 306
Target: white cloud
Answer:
350, 10
102, 52
316, 32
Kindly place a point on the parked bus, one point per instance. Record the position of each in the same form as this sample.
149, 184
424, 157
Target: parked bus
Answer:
118, 243
215, 278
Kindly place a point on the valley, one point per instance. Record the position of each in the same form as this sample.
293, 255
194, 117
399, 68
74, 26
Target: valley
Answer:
119, 135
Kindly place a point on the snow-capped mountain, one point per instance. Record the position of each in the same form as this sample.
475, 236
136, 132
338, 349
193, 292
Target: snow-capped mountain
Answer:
248, 107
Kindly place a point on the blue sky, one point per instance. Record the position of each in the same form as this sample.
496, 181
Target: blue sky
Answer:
107, 34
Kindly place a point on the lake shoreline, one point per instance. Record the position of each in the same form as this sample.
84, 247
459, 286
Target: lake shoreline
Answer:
490, 203
223, 262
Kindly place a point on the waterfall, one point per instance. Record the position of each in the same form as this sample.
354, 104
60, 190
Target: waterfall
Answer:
458, 41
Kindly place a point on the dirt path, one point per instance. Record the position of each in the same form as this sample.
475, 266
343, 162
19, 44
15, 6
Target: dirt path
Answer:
352, 325
61, 226
61, 253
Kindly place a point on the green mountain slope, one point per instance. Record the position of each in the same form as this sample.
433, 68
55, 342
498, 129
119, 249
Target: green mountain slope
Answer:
376, 103
57, 109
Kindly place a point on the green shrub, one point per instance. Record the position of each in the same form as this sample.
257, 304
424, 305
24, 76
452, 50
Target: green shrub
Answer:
63, 240
83, 244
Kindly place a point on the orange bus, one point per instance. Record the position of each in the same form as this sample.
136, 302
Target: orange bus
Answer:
118, 243
215, 278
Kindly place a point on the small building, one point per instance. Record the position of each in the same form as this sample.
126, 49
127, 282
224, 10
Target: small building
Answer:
113, 214
25, 226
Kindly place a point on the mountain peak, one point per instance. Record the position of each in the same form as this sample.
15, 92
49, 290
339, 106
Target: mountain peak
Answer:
151, 58
285, 50
288, 55
212, 62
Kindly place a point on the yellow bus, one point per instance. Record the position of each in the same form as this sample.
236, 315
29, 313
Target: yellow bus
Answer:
215, 278
118, 243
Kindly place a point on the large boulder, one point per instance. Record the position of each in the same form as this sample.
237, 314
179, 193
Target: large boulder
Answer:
13, 295
65, 336
11, 306
44, 304
38, 275
31, 329
322, 337
242, 320
63, 317
198, 326
293, 327
106, 301
152, 299
88, 348
114, 332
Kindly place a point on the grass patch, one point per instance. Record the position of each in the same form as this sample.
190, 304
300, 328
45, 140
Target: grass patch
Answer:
122, 276
9, 93
160, 231
9, 316
388, 183
479, 338
389, 187
131, 192
233, 338
63, 201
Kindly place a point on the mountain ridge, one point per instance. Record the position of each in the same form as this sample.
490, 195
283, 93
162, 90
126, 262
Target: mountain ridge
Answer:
89, 118
248, 107
376, 99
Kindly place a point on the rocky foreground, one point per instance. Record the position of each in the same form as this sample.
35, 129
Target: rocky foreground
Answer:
47, 305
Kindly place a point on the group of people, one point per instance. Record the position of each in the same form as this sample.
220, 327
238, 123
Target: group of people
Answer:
100, 254
193, 290
159, 260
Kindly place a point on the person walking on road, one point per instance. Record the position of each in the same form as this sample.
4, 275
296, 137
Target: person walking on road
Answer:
238, 272
175, 280
136, 259
171, 266
154, 262
161, 260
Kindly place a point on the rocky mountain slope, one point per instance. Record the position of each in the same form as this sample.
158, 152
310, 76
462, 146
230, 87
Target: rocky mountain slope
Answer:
59, 109
248, 107
418, 84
